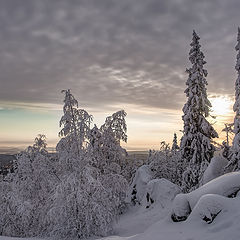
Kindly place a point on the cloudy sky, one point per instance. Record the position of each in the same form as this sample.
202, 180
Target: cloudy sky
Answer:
128, 54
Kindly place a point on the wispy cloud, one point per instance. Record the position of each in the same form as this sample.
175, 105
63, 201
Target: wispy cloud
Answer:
8, 105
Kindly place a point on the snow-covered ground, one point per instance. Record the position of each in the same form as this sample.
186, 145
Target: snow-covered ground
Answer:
156, 224
153, 221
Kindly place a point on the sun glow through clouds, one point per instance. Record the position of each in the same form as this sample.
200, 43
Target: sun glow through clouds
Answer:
221, 105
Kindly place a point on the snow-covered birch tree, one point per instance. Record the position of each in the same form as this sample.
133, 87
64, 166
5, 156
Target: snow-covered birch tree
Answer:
234, 163
109, 157
196, 147
113, 131
24, 205
87, 199
68, 196
75, 132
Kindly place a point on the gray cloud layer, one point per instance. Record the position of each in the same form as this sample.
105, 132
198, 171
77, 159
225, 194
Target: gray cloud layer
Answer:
112, 52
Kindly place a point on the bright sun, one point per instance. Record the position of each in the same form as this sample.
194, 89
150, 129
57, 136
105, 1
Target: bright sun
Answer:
221, 105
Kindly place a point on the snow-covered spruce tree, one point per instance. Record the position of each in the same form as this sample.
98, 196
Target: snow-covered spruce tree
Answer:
234, 163
175, 146
24, 206
196, 147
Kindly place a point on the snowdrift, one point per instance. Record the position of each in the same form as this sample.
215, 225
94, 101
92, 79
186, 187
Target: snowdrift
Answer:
227, 185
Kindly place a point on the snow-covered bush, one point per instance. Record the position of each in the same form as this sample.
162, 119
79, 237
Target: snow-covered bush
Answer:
138, 186
117, 186
152, 183
85, 203
160, 192
159, 161
215, 169
81, 206
227, 185
166, 164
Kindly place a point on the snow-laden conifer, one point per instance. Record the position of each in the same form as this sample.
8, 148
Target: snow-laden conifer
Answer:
234, 163
175, 146
196, 147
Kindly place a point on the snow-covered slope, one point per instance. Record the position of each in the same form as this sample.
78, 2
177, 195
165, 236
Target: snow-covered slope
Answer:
155, 223
225, 226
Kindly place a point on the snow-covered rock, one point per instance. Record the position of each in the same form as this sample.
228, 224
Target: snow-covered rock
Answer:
215, 168
160, 192
226, 185
137, 188
181, 208
209, 206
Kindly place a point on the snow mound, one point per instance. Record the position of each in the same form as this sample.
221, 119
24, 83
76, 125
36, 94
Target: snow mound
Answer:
137, 188
215, 168
227, 185
160, 192
225, 225
209, 206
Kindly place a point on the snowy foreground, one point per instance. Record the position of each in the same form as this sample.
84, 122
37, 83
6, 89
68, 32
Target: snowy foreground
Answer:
139, 224
153, 222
